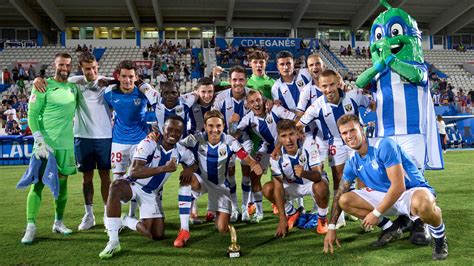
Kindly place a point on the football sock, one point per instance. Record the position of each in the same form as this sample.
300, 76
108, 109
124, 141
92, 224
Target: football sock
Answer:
184, 202
133, 208
60, 203
245, 192
258, 196
89, 210
437, 231
322, 213
194, 206
33, 202
113, 225
289, 209
384, 223
130, 222
300, 202
233, 191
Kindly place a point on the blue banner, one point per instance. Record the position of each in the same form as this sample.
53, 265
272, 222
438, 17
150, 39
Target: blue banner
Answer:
15, 150
269, 43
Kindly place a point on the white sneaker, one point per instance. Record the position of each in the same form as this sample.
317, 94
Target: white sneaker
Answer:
29, 236
111, 249
59, 227
256, 218
234, 216
245, 216
88, 221
341, 222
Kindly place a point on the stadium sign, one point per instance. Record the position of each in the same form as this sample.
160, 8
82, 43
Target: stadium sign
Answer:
270, 43
15, 150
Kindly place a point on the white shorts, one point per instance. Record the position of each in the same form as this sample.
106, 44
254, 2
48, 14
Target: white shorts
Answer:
323, 148
415, 146
218, 195
150, 205
338, 154
401, 206
294, 190
121, 156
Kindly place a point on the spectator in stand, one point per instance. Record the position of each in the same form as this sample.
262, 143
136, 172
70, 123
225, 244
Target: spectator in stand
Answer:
436, 98
342, 50
15, 74
443, 85
31, 73
9, 120
23, 121
358, 53
441, 131
445, 98
78, 48
463, 101
10, 111
7, 76
349, 50
84, 48
450, 95
21, 85
364, 52
13, 128
145, 54
21, 72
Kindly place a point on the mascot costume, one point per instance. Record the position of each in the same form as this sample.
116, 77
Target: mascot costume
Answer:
399, 79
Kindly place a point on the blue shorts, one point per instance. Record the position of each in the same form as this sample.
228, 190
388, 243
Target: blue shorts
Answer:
92, 154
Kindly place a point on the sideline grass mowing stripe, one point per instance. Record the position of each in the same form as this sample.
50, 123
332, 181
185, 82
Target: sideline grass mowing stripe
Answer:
454, 186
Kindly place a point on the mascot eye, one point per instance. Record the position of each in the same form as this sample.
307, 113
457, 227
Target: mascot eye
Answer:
378, 33
396, 29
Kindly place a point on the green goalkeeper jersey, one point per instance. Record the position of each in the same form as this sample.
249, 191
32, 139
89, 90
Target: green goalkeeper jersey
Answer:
52, 113
263, 84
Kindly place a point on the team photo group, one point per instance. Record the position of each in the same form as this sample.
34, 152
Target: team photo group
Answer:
283, 135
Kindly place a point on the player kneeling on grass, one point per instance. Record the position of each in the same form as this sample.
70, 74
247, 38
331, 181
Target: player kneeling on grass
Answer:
296, 173
153, 163
214, 150
395, 186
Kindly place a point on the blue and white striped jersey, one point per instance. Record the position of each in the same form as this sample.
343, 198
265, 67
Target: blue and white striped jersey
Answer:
401, 105
307, 156
228, 105
155, 155
289, 93
310, 93
328, 113
265, 127
213, 160
182, 109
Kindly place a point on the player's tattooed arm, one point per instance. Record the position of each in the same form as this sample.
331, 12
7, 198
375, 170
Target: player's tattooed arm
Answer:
336, 209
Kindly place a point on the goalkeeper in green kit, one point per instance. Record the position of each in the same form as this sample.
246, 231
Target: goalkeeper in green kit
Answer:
50, 116
259, 80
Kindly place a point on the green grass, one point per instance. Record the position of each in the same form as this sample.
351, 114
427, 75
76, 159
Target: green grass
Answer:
454, 186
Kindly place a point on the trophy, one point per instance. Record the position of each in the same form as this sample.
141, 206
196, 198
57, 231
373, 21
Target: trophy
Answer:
233, 251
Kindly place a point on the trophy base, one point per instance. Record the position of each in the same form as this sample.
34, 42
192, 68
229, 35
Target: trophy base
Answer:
233, 254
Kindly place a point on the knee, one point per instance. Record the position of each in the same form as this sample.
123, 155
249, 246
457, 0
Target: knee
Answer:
157, 236
267, 190
116, 187
344, 201
422, 203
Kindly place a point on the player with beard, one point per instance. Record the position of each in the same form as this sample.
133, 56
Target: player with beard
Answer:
50, 117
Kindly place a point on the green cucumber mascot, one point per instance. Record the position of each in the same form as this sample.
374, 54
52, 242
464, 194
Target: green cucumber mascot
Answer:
399, 79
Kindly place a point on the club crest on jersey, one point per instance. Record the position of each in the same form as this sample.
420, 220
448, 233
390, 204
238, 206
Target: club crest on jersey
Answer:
348, 107
269, 119
375, 165
222, 152
302, 159
300, 83
179, 110
137, 101
140, 150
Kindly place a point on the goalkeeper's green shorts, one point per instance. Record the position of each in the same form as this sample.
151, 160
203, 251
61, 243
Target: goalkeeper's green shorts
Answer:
66, 162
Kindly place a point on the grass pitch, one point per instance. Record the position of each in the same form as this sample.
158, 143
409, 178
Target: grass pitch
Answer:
454, 186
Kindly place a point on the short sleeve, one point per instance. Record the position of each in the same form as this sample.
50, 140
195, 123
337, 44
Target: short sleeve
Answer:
150, 93
361, 99
348, 174
275, 91
305, 98
389, 153
310, 115
233, 144
189, 99
312, 154
144, 149
244, 122
186, 156
283, 113
275, 167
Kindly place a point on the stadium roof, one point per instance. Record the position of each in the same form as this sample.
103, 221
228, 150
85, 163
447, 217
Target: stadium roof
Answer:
435, 16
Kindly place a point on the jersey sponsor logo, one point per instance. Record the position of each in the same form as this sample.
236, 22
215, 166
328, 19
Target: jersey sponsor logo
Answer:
360, 168
228, 108
285, 165
348, 107
137, 101
328, 114
285, 91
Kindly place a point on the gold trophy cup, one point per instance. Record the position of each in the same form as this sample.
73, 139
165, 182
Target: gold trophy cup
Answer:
233, 251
